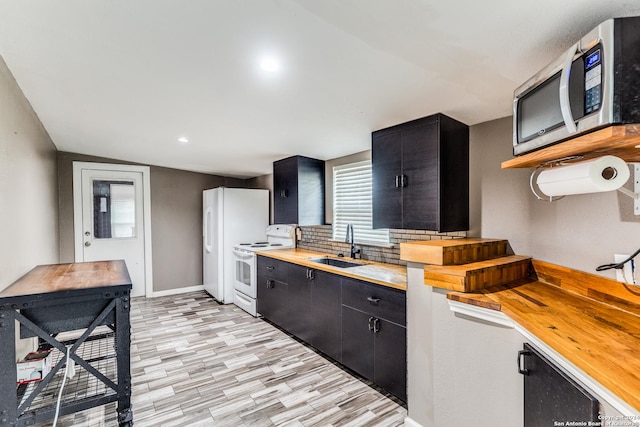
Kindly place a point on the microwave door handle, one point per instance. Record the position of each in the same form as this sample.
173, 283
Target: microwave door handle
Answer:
565, 106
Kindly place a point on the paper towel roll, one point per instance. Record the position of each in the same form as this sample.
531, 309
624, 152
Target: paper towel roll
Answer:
605, 173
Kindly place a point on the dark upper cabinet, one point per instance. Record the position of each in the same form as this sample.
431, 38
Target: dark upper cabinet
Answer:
421, 175
298, 191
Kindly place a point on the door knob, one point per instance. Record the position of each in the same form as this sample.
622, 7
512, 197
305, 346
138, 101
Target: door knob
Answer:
87, 244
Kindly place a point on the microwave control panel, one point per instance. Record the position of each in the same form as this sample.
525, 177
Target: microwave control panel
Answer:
593, 81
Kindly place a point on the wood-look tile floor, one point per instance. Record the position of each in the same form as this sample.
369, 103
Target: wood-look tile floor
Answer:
195, 362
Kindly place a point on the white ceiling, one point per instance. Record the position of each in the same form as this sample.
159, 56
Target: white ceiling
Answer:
124, 79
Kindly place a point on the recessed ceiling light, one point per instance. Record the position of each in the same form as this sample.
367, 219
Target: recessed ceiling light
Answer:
183, 140
270, 64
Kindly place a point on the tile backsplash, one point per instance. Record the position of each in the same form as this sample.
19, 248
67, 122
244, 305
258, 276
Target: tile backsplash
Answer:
318, 238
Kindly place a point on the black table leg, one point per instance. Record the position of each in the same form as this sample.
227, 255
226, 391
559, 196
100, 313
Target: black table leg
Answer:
8, 372
123, 345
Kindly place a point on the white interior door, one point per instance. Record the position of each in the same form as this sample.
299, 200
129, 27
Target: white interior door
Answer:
112, 221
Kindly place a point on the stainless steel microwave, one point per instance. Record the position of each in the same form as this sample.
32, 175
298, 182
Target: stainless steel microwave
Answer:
596, 83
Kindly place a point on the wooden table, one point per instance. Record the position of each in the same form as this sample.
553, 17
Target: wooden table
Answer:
50, 301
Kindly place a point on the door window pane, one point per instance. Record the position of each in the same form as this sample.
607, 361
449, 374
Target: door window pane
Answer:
114, 210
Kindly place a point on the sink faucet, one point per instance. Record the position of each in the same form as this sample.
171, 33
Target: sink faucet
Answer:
348, 238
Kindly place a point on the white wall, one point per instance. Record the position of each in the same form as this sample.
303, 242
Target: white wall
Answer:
28, 189
462, 371
580, 232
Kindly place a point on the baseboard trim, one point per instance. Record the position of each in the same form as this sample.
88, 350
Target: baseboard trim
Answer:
177, 291
408, 422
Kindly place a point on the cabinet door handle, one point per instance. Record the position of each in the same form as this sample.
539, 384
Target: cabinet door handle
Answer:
373, 300
310, 273
376, 326
270, 267
371, 319
283, 194
270, 284
397, 181
403, 180
521, 358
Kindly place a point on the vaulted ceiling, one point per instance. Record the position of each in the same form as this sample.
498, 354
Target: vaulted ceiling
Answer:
248, 82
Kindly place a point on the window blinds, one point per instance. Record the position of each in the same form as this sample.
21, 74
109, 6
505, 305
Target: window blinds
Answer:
352, 204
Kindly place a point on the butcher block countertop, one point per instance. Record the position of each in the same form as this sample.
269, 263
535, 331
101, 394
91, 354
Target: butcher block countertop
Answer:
593, 322
390, 275
69, 279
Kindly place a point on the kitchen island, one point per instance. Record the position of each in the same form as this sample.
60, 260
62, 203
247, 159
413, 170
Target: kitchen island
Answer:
80, 311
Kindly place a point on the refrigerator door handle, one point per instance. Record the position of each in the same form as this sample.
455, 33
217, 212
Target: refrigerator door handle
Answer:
207, 230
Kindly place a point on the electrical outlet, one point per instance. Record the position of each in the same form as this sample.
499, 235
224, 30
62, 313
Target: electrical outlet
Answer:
624, 275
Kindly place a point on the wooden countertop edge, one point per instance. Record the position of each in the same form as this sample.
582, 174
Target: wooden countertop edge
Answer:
474, 299
463, 270
434, 251
69, 278
301, 256
526, 301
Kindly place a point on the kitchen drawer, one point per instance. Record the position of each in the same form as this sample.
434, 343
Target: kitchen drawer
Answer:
272, 268
378, 301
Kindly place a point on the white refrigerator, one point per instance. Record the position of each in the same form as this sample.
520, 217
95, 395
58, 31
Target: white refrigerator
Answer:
230, 216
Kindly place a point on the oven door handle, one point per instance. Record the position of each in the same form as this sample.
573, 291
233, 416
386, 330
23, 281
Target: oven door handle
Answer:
243, 254
565, 104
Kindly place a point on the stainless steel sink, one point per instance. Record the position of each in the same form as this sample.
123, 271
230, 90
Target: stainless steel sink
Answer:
336, 262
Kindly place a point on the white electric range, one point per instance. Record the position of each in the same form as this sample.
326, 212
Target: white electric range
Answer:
245, 283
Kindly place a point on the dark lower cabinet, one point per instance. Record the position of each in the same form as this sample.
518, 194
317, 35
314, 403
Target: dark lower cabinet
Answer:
271, 294
357, 341
374, 334
314, 307
326, 314
376, 349
299, 291
390, 358
551, 398
357, 323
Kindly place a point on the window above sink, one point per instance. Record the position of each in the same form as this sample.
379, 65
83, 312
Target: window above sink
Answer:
352, 204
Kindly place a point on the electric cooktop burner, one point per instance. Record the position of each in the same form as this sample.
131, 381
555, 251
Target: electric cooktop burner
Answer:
282, 236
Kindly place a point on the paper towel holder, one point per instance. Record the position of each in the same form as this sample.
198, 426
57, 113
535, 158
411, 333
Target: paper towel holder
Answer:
551, 163
635, 194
